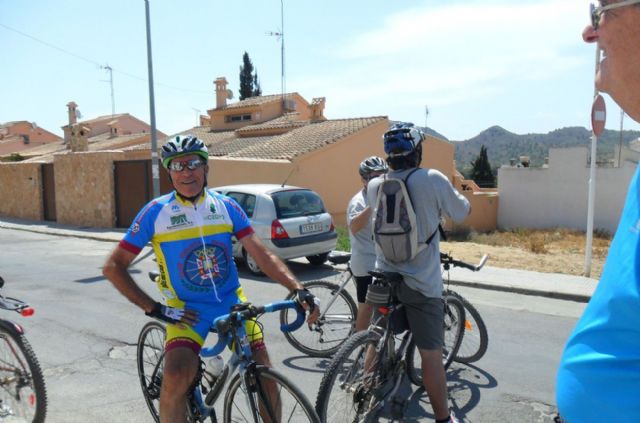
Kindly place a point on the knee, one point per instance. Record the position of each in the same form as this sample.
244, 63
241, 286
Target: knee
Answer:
177, 376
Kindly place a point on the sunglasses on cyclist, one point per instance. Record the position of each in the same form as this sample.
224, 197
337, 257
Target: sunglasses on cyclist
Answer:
597, 11
192, 164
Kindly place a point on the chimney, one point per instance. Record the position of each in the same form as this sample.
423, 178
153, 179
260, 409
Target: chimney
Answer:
71, 108
317, 108
113, 128
221, 92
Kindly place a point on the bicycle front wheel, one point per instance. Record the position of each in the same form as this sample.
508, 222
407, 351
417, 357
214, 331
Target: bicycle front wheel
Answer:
476, 338
266, 396
23, 397
346, 392
150, 357
337, 322
454, 319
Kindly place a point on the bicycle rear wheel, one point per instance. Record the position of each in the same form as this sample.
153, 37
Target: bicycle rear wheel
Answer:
150, 357
338, 321
346, 392
23, 397
454, 318
270, 395
476, 338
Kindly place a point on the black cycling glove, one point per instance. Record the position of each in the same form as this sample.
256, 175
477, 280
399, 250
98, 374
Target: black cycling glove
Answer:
302, 296
166, 313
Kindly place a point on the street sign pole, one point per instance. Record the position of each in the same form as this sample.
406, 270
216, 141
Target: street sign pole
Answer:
155, 173
598, 118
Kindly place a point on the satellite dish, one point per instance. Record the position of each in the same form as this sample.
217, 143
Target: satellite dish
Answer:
229, 94
34, 125
78, 114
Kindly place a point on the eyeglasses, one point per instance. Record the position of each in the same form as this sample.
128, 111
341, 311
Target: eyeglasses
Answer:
597, 11
192, 164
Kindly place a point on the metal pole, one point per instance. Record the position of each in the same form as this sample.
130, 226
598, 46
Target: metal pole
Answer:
284, 87
152, 111
592, 189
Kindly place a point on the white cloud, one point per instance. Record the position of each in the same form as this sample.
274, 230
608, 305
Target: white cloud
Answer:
453, 54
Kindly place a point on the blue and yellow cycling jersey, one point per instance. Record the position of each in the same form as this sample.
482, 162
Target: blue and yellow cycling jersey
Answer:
192, 243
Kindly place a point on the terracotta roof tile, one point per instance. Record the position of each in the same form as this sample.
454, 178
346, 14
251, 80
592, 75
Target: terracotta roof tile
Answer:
254, 101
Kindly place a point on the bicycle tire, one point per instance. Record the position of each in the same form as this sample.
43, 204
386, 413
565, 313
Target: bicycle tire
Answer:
454, 320
476, 337
346, 390
325, 338
23, 392
297, 406
150, 356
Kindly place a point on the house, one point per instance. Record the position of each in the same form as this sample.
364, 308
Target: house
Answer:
102, 133
18, 136
266, 139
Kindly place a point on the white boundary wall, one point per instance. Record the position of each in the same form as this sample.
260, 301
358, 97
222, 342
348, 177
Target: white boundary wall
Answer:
557, 196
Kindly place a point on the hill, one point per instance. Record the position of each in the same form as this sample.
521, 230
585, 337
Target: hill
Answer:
503, 145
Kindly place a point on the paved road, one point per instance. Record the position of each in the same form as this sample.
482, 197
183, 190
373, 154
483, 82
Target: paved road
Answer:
84, 334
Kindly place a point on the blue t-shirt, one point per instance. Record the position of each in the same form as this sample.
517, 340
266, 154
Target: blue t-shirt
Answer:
599, 375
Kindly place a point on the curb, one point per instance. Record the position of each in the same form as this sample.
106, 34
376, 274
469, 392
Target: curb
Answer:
581, 298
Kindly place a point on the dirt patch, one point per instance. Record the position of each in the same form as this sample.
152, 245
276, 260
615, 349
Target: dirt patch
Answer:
558, 251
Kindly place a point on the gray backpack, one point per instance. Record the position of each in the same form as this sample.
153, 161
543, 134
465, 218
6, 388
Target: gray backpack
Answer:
395, 228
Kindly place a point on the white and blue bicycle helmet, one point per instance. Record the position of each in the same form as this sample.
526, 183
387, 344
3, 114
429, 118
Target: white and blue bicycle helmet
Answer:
183, 145
402, 139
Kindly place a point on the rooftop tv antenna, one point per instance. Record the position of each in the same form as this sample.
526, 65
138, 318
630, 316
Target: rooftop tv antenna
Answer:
113, 102
426, 115
280, 36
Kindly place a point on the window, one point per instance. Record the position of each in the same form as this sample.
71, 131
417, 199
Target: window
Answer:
246, 201
238, 118
297, 203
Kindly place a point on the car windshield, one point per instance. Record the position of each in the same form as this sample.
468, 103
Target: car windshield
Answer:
297, 203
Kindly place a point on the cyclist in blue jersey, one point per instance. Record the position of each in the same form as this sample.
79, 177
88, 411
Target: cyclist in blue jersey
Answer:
190, 230
599, 374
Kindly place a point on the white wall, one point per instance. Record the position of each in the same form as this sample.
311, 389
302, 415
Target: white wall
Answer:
557, 196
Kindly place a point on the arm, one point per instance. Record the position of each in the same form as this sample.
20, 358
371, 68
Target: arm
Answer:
274, 268
360, 221
115, 270
269, 263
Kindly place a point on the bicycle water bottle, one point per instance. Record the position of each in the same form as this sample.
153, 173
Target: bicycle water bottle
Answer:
214, 367
216, 373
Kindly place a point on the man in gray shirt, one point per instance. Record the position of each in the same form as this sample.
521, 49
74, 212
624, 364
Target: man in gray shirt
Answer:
363, 252
432, 196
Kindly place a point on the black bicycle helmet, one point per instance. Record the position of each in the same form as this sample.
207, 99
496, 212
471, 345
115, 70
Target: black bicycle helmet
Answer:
183, 145
372, 164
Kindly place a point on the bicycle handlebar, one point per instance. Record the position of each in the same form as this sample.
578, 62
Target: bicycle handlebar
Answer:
223, 324
447, 260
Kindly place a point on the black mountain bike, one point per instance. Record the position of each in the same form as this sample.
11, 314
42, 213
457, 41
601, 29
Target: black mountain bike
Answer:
364, 377
23, 396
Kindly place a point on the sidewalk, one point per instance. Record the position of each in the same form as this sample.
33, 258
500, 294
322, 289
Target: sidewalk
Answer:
552, 285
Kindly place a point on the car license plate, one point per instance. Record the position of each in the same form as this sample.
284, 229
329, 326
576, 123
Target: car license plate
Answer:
310, 227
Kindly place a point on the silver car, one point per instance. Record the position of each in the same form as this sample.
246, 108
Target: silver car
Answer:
291, 221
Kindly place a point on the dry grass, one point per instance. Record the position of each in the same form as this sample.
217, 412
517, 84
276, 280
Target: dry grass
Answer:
554, 251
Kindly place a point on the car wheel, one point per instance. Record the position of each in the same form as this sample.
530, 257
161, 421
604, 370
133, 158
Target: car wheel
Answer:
251, 264
318, 259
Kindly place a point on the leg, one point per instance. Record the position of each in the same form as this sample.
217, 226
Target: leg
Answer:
364, 310
435, 381
180, 367
261, 356
426, 321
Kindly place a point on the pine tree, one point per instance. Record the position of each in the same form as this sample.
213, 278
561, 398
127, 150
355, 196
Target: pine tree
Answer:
257, 91
481, 172
249, 85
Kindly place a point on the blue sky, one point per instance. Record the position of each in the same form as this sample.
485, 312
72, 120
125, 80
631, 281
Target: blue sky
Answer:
518, 64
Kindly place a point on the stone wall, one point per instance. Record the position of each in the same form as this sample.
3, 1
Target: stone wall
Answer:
21, 190
85, 192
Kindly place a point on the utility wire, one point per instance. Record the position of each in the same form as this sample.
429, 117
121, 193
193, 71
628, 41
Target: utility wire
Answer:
93, 62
